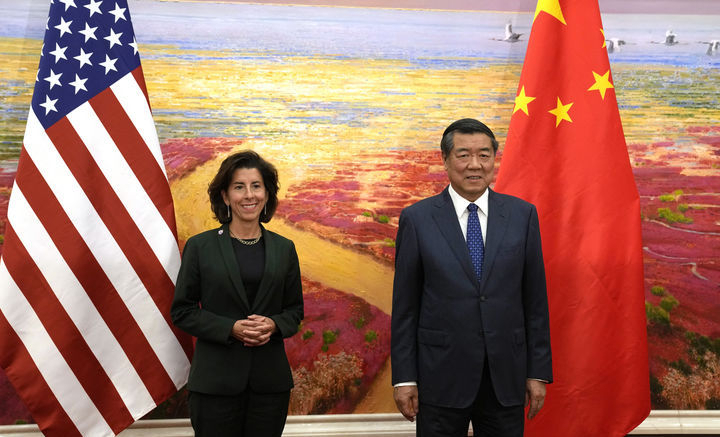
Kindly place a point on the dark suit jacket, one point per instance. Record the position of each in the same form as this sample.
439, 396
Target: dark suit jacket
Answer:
446, 323
209, 298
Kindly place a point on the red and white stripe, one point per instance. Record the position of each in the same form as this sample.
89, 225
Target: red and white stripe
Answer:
88, 269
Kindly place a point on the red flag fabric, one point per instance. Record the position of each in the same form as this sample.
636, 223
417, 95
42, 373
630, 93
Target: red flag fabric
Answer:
90, 254
566, 153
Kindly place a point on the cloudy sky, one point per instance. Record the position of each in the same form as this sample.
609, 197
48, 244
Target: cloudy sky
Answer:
606, 6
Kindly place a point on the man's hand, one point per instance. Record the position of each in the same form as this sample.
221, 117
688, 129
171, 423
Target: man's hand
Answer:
254, 331
534, 396
406, 399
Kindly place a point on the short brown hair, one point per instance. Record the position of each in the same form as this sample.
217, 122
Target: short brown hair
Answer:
223, 178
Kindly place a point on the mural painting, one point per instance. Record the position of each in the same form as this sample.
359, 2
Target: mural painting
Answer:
350, 103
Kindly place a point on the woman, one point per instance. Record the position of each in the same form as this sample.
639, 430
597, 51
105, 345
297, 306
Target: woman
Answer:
239, 293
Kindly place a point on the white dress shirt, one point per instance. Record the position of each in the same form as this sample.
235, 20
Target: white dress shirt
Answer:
461, 204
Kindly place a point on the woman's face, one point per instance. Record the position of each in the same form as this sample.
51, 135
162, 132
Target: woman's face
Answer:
246, 195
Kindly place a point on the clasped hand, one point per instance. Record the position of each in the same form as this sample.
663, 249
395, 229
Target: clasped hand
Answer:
254, 331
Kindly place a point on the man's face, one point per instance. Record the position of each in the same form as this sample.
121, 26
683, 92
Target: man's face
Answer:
470, 164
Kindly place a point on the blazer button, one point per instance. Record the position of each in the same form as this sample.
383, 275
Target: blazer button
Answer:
482, 298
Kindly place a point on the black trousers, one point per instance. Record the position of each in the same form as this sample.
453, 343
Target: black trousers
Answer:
248, 414
489, 418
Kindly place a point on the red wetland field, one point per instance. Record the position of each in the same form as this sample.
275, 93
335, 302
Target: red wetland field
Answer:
345, 340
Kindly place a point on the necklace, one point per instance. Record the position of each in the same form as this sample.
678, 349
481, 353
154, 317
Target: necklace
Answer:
247, 242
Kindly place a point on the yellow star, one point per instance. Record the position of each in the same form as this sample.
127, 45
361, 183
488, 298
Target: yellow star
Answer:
602, 83
521, 102
603, 34
561, 112
552, 7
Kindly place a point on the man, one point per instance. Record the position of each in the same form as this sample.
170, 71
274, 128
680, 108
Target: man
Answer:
470, 329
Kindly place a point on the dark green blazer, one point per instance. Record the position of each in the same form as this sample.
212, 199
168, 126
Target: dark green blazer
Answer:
210, 298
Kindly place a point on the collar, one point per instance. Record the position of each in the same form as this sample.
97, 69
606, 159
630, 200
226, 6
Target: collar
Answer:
460, 203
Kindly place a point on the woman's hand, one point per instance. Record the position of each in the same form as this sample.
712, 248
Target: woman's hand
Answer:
254, 331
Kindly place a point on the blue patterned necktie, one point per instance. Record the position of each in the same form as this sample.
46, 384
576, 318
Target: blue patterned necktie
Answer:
475, 240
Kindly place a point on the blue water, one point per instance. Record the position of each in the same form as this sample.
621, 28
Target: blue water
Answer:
427, 39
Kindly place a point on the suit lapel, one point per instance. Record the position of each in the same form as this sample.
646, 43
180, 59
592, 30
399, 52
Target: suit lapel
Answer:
447, 220
228, 256
271, 251
498, 216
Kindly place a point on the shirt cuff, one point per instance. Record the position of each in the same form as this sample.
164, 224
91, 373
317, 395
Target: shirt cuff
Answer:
406, 384
537, 379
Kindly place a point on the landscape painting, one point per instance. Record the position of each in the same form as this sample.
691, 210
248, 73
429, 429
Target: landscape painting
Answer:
349, 102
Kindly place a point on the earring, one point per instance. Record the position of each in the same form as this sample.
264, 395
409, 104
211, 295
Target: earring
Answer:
265, 209
228, 210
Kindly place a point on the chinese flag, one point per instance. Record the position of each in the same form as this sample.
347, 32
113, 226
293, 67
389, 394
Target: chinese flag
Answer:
566, 153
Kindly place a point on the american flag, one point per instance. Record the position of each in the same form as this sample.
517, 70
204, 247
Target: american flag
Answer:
90, 254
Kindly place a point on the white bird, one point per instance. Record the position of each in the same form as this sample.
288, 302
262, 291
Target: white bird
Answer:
713, 47
614, 44
511, 36
670, 38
